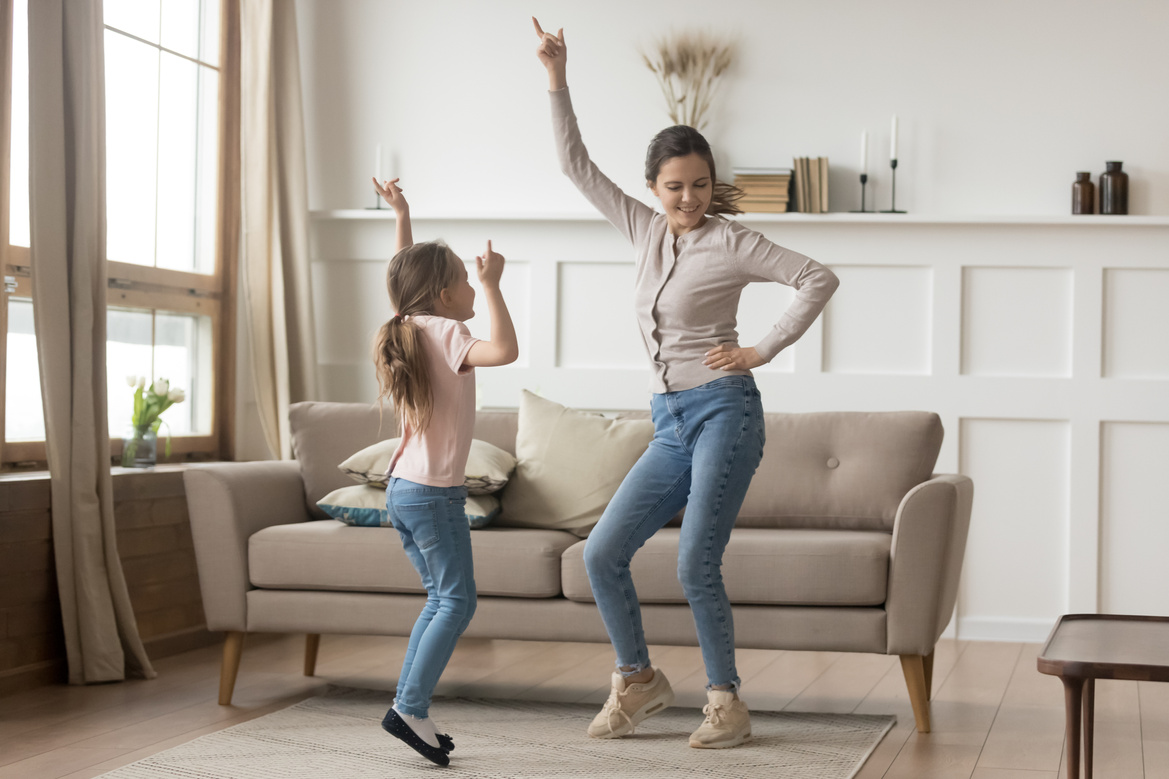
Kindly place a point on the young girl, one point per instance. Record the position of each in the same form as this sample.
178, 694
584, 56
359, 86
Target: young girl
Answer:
426, 360
692, 266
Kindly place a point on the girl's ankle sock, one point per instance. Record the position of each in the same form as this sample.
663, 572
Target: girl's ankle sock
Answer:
423, 727
437, 729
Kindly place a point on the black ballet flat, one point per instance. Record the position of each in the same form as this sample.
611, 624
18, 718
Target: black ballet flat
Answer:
446, 742
397, 727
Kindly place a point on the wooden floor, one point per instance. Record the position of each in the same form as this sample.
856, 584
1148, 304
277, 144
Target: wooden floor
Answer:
994, 715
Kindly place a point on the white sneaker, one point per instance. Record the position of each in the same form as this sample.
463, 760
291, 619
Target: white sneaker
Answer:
727, 723
629, 704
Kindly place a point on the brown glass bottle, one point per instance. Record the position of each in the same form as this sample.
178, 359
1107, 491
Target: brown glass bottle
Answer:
1083, 194
1113, 189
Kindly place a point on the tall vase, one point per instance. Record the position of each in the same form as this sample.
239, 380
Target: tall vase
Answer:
139, 447
1113, 189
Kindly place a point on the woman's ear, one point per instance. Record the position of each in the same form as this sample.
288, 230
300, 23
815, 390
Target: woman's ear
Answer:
652, 188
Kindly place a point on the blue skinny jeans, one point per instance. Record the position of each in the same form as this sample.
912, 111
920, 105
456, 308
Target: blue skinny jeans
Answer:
433, 525
707, 443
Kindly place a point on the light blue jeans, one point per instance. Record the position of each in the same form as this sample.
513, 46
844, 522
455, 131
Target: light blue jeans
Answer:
433, 525
707, 443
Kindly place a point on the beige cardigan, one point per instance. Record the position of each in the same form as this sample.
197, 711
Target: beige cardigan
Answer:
687, 291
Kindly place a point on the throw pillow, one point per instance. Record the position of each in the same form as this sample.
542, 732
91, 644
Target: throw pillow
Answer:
488, 466
569, 465
365, 506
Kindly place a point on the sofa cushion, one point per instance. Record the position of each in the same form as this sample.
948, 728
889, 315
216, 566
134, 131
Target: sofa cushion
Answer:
324, 434
330, 555
570, 463
761, 566
365, 506
488, 466
846, 470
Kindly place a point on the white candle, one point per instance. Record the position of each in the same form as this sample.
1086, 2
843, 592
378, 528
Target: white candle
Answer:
864, 151
893, 143
377, 162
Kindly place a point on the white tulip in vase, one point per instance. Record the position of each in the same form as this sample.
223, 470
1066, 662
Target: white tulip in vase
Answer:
140, 444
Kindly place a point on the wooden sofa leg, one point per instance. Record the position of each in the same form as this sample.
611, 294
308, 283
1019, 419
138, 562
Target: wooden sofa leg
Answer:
233, 650
918, 679
312, 642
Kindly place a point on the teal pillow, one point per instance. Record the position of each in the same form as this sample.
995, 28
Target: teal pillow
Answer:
481, 509
365, 506
361, 505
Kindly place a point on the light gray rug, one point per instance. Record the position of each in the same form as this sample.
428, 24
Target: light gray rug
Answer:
339, 734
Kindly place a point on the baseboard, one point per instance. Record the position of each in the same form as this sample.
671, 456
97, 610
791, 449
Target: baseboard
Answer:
1033, 631
33, 675
180, 641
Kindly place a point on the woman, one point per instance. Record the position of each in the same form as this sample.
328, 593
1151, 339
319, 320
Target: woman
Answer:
691, 268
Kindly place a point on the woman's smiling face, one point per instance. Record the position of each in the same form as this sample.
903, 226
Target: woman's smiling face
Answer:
684, 186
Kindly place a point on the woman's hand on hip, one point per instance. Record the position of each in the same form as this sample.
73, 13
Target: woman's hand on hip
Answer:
553, 54
729, 357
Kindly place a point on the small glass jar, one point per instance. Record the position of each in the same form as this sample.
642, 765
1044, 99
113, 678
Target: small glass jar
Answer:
139, 448
1113, 189
1083, 194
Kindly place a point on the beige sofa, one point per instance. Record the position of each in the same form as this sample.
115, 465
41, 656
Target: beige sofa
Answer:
846, 542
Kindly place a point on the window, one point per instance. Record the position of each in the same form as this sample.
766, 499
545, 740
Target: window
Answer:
169, 185
162, 87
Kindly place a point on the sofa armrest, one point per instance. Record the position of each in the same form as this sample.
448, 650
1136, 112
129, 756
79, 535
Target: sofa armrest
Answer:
228, 502
929, 542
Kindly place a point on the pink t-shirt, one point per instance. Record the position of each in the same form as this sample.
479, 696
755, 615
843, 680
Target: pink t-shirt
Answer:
437, 456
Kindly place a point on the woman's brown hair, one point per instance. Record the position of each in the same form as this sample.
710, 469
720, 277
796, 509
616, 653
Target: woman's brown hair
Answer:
415, 278
680, 141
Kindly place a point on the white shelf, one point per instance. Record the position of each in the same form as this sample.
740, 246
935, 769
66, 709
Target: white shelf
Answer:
387, 214
961, 219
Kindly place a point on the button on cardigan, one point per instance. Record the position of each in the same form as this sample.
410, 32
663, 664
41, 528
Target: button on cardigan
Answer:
687, 288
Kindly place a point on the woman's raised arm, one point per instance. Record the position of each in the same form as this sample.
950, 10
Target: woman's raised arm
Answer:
553, 55
627, 214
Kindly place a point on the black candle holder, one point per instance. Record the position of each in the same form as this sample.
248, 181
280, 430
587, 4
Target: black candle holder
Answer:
864, 180
893, 200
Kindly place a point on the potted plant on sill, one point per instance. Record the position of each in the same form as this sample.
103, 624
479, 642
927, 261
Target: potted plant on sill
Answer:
140, 443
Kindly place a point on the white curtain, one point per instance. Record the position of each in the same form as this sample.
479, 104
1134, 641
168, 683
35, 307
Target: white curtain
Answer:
67, 190
275, 275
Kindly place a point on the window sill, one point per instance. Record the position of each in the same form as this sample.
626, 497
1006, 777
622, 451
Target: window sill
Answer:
32, 490
115, 471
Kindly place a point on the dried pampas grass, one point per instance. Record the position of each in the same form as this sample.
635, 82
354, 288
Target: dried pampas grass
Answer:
688, 66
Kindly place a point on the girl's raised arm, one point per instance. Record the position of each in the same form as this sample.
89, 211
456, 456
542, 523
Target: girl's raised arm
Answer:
553, 54
503, 348
392, 194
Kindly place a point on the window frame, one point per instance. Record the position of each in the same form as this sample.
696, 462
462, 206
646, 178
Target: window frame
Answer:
159, 290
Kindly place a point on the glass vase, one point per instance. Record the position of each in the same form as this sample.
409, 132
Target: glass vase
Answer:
139, 448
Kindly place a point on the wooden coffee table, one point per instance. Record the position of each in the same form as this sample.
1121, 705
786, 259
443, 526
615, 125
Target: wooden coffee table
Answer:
1085, 647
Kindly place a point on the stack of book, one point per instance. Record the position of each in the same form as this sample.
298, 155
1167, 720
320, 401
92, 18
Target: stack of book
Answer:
767, 189
811, 185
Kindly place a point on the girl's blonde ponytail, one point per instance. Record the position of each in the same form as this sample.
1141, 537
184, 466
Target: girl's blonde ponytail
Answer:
402, 374
416, 277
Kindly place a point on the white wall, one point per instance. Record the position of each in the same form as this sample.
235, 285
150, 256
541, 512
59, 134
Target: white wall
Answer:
1039, 341
1000, 101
